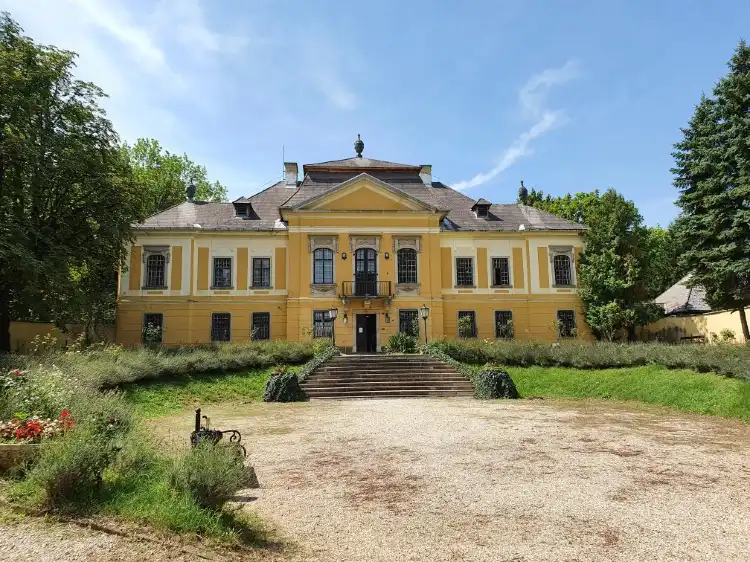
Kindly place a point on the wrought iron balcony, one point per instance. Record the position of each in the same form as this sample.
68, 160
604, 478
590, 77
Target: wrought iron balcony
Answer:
366, 289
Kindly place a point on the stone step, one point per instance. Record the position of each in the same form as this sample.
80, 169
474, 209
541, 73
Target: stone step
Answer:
394, 381
387, 365
400, 393
322, 379
375, 370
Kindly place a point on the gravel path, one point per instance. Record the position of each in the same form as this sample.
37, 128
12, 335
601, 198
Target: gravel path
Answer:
463, 480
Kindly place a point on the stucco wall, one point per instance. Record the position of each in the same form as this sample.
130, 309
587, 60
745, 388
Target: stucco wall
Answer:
673, 328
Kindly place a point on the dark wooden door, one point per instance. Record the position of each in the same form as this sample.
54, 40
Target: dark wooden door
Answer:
365, 272
367, 335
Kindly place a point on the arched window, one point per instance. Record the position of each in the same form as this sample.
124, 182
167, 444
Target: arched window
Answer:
155, 265
563, 271
323, 266
407, 265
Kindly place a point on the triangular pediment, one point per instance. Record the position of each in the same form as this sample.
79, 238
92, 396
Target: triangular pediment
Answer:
364, 193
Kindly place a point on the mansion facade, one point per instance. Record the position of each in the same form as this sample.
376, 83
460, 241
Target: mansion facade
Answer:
367, 242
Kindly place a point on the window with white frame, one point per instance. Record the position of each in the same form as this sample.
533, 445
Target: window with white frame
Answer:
222, 273
407, 265
464, 272
500, 272
323, 266
156, 267
261, 273
561, 259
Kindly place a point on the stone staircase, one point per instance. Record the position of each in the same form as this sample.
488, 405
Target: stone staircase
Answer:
385, 376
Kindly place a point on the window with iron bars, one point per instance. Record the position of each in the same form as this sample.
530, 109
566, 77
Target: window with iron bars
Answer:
322, 324
500, 272
221, 327
408, 322
465, 272
503, 324
563, 270
467, 324
155, 270
261, 272
153, 328
223, 272
261, 328
407, 265
566, 323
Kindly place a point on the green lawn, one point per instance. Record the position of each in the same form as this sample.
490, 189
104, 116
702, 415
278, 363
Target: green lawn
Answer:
684, 390
171, 395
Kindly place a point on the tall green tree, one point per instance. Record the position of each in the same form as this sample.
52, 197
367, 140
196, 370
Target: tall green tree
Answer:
613, 268
161, 177
66, 194
712, 173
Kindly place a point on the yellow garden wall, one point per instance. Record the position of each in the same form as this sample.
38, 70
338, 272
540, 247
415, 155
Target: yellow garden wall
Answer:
673, 328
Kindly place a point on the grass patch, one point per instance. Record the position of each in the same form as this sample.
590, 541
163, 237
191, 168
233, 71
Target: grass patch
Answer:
146, 497
680, 389
162, 397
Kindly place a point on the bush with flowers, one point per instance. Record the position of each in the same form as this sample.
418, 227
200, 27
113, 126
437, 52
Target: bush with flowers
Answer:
24, 429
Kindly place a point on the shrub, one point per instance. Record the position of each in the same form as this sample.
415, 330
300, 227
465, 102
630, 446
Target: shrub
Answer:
493, 382
114, 366
401, 342
69, 471
728, 360
210, 474
283, 387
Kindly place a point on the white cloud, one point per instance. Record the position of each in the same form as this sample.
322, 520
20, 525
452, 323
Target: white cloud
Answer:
323, 65
531, 99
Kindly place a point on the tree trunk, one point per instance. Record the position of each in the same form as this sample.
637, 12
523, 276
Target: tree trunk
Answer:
743, 321
4, 321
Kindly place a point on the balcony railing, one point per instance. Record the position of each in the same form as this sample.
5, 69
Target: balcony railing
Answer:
367, 289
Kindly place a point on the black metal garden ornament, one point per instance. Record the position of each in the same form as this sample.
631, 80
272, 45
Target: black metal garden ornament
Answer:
205, 433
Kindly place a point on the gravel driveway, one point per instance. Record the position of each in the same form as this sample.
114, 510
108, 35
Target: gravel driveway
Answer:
464, 480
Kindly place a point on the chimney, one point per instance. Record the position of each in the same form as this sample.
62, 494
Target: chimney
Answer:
426, 174
290, 174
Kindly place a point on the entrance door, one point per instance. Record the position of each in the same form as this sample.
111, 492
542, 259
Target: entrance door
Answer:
367, 335
365, 272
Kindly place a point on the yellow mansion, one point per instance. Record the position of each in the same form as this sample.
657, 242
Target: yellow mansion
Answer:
381, 243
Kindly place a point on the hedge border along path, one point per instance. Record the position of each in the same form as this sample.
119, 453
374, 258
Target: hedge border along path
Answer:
724, 359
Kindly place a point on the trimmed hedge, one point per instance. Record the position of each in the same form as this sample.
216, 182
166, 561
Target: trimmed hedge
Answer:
727, 360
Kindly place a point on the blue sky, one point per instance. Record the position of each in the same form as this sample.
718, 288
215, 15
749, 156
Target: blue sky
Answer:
568, 96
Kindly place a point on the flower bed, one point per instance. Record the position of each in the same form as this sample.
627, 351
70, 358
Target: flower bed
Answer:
35, 429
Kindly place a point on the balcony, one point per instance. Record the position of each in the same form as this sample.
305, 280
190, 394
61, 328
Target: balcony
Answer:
366, 289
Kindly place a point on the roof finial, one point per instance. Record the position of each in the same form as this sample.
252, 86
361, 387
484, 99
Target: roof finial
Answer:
523, 194
190, 189
359, 146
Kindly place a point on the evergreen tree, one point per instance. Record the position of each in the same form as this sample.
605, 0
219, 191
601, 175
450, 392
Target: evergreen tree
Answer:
712, 172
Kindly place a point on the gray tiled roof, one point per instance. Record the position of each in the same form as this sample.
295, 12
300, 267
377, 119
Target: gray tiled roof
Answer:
265, 204
681, 299
357, 162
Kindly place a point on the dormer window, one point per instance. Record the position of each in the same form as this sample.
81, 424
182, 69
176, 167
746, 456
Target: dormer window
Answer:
242, 207
482, 208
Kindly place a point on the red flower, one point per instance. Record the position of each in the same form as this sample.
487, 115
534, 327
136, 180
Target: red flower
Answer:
64, 414
17, 372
